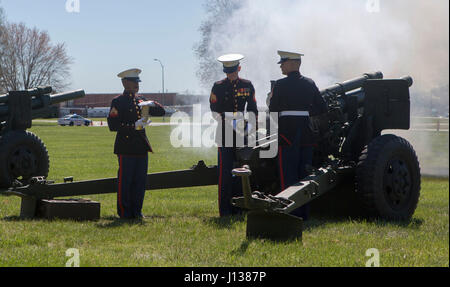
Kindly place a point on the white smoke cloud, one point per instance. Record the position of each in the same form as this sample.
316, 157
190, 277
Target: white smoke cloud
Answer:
340, 39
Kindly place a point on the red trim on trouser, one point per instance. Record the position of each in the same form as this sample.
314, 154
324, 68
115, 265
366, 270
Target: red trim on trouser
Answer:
280, 162
288, 142
220, 177
119, 193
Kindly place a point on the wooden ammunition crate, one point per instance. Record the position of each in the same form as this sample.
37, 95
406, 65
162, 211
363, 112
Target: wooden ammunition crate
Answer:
75, 209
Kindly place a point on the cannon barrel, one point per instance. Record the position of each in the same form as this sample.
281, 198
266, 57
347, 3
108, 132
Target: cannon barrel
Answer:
63, 97
40, 102
32, 92
350, 85
41, 98
359, 93
353, 88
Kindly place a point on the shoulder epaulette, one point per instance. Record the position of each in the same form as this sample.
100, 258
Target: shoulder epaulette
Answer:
220, 82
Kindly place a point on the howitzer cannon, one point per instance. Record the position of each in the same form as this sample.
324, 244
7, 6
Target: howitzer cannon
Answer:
22, 154
350, 148
24, 162
384, 168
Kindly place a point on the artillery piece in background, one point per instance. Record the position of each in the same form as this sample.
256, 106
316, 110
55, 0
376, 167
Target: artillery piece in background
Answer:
383, 170
23, 155
24, 163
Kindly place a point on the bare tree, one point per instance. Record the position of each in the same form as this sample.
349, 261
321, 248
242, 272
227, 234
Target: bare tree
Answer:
2, 26
2, 17
28, 59
217, 11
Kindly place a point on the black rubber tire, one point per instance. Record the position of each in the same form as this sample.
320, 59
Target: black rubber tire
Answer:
71, 124
23, 155
388, 178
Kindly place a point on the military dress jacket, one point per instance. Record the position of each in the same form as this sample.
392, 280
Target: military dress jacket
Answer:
296, 93
124, 113
232, 97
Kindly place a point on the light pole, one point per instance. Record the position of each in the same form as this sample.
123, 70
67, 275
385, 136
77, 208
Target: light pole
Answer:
162, 69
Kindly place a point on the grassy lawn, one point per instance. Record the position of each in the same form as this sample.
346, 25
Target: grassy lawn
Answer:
182, 227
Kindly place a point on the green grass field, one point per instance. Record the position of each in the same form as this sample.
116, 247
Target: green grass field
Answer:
182, 227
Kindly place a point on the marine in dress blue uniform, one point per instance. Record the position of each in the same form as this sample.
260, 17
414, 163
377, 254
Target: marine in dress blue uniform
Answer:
230, 96
295, 98
131, 145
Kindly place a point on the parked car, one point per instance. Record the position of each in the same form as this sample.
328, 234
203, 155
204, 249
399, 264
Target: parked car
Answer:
169, 111
73, 120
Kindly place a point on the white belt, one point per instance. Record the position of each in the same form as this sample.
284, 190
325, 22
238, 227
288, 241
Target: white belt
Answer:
294, 113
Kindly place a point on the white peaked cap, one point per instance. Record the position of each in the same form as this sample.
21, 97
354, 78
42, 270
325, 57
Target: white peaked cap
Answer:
289, 56
230, 60
131, 73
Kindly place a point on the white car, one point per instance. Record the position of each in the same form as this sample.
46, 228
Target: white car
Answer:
73, 120
169, 111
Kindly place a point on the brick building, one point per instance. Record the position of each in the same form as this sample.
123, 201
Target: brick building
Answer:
97, 105
104, 100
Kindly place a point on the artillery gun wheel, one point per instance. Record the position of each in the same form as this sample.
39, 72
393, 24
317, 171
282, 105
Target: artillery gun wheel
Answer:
388, 178
23, 155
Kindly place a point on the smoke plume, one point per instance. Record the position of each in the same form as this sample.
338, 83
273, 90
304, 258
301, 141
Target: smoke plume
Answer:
340, 39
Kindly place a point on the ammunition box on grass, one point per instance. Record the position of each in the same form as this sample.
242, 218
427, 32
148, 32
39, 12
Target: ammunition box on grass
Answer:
76, 209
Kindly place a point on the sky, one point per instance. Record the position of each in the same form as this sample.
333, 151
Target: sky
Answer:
108, 36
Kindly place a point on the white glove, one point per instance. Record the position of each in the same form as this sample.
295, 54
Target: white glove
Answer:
238, 125
147, 103
142, 123
232, 116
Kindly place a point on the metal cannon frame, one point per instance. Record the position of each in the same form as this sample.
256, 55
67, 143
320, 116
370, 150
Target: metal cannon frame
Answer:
39, 188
